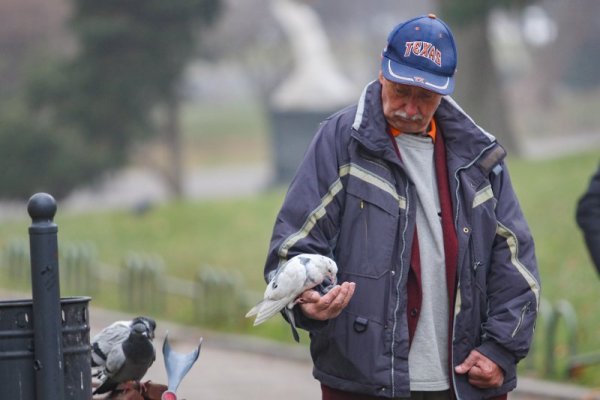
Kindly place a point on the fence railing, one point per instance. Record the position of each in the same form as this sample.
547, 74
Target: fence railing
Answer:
219, 298
141, 284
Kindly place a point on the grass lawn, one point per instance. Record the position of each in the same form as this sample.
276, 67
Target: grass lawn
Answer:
233, 235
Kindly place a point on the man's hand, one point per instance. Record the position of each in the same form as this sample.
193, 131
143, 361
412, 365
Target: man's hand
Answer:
483, 372
330, 305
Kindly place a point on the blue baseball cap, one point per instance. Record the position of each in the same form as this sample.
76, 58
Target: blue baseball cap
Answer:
421, 52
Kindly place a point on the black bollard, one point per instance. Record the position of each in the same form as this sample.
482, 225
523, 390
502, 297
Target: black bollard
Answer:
47, 316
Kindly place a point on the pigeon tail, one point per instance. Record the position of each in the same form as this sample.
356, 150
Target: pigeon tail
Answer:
254, 310
268, 309
107, 386
292, 320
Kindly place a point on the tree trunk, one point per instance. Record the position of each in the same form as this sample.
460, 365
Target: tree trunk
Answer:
174, 172
556, 58
478, 89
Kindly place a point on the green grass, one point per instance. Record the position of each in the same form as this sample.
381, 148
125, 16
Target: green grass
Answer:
549, 191
229, 234
233, 234
214, 135
204, 120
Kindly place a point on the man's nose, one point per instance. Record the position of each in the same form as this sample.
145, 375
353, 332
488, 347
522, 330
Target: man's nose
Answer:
411, 107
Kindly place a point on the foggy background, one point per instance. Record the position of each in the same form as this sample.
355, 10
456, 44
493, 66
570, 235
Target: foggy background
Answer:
526, 73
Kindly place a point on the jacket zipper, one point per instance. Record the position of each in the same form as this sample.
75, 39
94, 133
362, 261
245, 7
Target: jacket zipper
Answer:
456, 194
524, 310
400, 276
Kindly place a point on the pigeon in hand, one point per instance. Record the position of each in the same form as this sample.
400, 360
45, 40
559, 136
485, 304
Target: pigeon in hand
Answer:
300, 273
123, 352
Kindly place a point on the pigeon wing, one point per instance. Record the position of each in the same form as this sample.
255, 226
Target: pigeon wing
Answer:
281, 291
114, 363
106, 340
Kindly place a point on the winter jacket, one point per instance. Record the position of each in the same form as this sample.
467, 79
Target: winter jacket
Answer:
351, 200
588, 218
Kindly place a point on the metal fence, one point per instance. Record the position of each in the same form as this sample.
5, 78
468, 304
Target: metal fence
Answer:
220, 298
141, 284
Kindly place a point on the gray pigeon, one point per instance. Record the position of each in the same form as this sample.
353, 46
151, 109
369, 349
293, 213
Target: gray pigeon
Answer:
123, 352
300, 273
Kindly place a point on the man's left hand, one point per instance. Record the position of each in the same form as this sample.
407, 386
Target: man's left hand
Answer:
328, 306
483, 372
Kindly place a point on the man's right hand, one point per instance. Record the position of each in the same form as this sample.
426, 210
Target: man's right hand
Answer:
328, 306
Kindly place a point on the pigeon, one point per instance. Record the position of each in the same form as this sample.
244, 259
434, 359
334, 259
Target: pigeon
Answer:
123, 352
178, 365
300, 273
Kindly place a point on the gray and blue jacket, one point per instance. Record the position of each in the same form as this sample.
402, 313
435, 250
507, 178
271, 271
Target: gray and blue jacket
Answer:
351, 200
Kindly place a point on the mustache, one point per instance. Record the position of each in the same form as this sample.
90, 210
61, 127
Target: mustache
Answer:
404, 115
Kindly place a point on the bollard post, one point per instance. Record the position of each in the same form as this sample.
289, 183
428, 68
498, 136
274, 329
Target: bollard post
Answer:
47, 315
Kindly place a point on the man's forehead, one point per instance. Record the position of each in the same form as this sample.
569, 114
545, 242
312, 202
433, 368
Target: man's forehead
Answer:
405, 87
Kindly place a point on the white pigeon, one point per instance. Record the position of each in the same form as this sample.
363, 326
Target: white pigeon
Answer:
298, 274
123, 351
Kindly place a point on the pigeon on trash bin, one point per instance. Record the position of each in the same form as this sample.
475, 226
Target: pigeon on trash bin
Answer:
298, 274
123, 352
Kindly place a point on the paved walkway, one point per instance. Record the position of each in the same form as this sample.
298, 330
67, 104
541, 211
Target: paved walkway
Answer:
229, 367
137, 188
243, 367
249, 368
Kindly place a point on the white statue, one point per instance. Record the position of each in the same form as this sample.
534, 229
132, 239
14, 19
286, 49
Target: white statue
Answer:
315, 82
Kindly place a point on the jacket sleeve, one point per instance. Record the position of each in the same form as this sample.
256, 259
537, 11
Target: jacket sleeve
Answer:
307, 220
588, 218
513, 284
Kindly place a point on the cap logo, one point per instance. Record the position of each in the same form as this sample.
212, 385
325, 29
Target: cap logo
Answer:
424, 49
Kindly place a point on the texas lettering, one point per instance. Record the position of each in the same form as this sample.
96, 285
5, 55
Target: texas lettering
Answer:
424, 49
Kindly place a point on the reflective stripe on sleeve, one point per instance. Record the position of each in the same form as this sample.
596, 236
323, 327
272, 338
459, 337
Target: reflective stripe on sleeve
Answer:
513, 246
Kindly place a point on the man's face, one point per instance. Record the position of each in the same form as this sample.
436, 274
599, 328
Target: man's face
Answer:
407, 108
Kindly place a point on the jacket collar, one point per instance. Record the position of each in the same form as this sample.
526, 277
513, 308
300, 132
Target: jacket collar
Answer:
465, 140
370, 127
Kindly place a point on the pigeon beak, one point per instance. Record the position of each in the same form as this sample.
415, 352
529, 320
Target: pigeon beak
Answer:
149, 335
333, 278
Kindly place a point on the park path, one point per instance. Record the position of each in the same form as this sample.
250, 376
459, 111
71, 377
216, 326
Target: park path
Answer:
229, 366
137, 188
243, 367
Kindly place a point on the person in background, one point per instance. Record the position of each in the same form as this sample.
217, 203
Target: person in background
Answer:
588, 218
439, 287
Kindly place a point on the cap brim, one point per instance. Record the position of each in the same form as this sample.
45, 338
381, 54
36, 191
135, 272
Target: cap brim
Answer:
400, 73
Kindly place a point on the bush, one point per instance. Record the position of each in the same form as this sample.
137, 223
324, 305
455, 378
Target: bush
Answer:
34, 157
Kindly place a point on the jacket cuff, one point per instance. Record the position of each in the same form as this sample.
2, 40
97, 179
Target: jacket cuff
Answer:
499, 355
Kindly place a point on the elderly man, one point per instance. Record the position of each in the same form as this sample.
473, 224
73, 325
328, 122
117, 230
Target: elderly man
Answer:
439, 285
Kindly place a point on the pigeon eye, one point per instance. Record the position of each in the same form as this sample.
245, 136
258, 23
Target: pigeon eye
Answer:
274, 285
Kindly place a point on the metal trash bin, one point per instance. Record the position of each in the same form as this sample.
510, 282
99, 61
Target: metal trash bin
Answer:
292, 132
17, 366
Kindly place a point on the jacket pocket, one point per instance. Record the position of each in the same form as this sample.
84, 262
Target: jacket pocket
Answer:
371, 297
368, 229
350, 351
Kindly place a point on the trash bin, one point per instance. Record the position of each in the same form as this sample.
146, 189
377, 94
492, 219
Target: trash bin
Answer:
292, 132
17, 365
